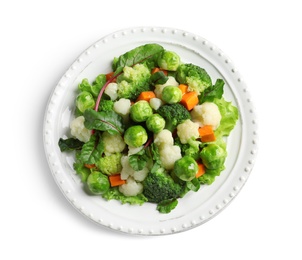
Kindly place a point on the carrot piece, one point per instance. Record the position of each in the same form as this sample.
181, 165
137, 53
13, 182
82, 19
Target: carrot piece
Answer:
109, 76
159, 69
206, 133
189, 100
183, 88
115, 180
89, 166
146, 95
201, 170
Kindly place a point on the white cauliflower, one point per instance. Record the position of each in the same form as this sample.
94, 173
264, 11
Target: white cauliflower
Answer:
206, 114
122, 106
111, 91
78, 130
163, 137
155, 103
187, 130
139, 176
131, 187
169, 154
134, 150
159, 87
113, 143
127, 171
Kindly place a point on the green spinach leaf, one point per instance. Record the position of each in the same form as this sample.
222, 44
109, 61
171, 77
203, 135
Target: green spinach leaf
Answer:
210, 93
92, 150
70, 144
158, 78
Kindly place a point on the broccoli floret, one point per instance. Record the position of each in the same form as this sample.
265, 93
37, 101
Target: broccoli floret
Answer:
192, 148
106, 105
173, 114
133, 81
196, 78
159, 186
110, 164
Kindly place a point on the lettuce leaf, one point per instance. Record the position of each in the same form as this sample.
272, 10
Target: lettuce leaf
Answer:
114, 193
229, 117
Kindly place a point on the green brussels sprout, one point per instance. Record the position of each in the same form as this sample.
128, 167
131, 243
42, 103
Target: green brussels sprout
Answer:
135, 136
155, 123
168, 60
213, 156
185, 168
98, 183
171, 94
84, 101
140, 111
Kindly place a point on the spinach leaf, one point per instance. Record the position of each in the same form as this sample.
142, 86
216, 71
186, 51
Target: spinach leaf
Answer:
138, 55
139, 160
158, 78
92, 150
70, 144
104, 121
210, 93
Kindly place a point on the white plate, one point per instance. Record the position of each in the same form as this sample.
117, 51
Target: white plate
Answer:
195, 208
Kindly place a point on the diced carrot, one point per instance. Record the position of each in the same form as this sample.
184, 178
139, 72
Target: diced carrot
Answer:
189, 100
89, 166
109, 76
159, 69
183, 88
146, 95
206, 133
201, 170
115, 180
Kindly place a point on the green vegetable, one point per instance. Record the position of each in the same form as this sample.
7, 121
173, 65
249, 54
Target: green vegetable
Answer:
158, 78
70, 144
209, 176
167, 206
192, 148
98, 183
96, 86
173, 114
92, 150
143, 53
159, 186
104, 121
196, 77
215, 91
171, 94
85, 101
168, 60
135, 136
140, 111
80, 169
110, 164
133, 81
106, 105
114, 193
229, 117
155, 123
139, 160
185, 168
213, 156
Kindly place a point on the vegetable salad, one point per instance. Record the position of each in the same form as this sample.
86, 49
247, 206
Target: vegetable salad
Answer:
151, 130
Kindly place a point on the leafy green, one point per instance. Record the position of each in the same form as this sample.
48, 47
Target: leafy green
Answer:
193, 185
229, 117
138, 55
139, 160
92, 150
209, 176
70, 144
215, 91
158, 78
114, 193
104, 121
167, 206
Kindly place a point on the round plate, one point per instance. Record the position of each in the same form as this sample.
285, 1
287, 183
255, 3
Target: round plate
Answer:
196, 207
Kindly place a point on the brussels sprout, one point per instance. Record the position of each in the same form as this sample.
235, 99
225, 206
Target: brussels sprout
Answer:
168, 60
98, 183
155, 123
84, 101
213, 156
140, 111
171, 94
135, 136
185, 168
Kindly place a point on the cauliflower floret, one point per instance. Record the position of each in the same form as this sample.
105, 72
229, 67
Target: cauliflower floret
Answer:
131, 187
155, 103
140, 175
111, 90
78, 129
134, 150
113, 143
159, 87
206, 114
122, 106
169, 154
163, 137
187, 130
127, 171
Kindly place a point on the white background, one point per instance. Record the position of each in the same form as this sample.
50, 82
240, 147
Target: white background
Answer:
41, 39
